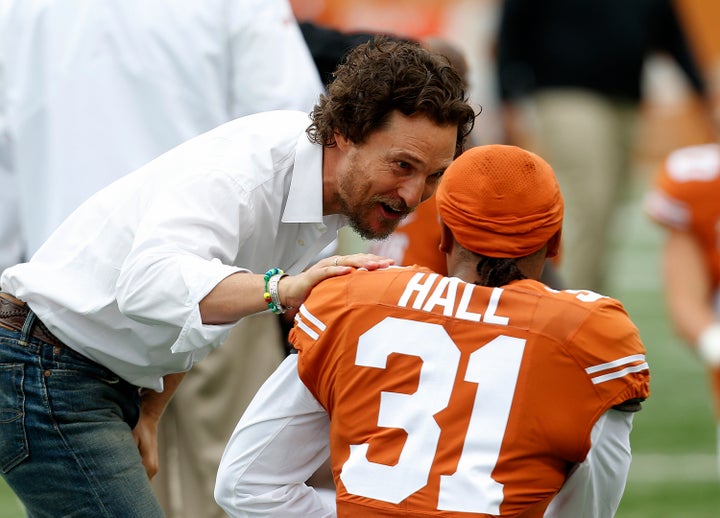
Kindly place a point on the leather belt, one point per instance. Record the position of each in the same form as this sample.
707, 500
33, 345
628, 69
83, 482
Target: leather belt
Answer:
13, 313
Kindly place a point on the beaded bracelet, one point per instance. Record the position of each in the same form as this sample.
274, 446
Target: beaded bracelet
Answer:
272, 298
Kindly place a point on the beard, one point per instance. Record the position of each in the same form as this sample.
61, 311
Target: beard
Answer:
364, 220
364, 213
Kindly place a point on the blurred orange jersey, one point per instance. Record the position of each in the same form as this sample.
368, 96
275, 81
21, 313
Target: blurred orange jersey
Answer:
416, 240
451, 399
686, 196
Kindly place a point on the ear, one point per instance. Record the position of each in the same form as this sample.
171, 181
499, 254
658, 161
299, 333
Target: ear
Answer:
343, 143
446, 238
553, 245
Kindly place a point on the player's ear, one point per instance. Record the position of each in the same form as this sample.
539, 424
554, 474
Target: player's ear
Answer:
446, 238
553, 246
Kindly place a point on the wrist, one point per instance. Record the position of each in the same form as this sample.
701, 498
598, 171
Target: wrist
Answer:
272, 293
708, 345
283, 300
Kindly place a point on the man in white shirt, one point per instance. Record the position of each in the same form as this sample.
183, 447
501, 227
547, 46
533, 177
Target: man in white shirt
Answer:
152, 272
89, 91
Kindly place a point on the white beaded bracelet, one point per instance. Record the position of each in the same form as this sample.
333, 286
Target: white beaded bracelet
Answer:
274, 295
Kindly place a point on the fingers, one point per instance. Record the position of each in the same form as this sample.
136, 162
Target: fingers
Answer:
367, 261
147, 446
150, 461
152, 471
294, 289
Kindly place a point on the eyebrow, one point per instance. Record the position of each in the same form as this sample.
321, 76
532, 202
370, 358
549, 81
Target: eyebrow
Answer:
409, 156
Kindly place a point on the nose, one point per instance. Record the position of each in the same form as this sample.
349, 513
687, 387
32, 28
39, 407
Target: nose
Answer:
413, 191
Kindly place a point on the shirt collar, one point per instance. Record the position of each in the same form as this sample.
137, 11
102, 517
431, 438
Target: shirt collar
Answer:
305, 199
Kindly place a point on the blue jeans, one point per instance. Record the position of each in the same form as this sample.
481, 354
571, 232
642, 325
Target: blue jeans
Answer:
66, 444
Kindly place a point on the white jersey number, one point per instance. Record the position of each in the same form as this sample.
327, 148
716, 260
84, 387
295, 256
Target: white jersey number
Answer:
493, 367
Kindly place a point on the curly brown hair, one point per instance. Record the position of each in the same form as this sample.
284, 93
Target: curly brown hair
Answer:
384, 75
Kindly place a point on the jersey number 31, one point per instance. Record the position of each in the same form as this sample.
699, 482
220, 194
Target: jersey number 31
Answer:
493, 368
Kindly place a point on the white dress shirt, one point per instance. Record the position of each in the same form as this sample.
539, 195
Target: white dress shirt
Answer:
283, 437
10, 242
10, 245
121, 279
92, 90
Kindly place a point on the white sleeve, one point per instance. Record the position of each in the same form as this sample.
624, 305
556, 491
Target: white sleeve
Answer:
273, 68
595, 487
280, 441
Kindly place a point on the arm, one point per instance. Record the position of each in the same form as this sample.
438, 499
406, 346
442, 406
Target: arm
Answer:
152, 406
687, 285
280, 441
595, 487
241, 294
183, 268
687, 294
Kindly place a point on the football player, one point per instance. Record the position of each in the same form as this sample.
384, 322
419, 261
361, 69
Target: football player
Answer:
482, 394
684, 201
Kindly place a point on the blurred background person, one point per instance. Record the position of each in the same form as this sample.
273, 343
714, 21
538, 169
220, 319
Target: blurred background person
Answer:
129, 84
10, 242
10, 246
89, 91
569, 76
685, 201
328, 45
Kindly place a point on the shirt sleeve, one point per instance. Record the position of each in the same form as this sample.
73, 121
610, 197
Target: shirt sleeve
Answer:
595, 486
280, 441
184, 245
272, 67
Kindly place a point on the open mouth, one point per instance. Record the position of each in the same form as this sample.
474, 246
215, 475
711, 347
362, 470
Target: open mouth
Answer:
391, 213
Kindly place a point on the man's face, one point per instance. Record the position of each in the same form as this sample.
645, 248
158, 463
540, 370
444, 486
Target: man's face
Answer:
386, 177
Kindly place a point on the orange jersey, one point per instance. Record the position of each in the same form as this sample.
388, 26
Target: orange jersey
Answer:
416, 240
686, 196
451, 399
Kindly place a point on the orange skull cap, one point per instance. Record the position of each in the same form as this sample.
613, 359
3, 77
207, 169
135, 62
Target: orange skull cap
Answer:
501, 201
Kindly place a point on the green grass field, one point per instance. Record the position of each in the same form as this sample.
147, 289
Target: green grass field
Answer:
674, 472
